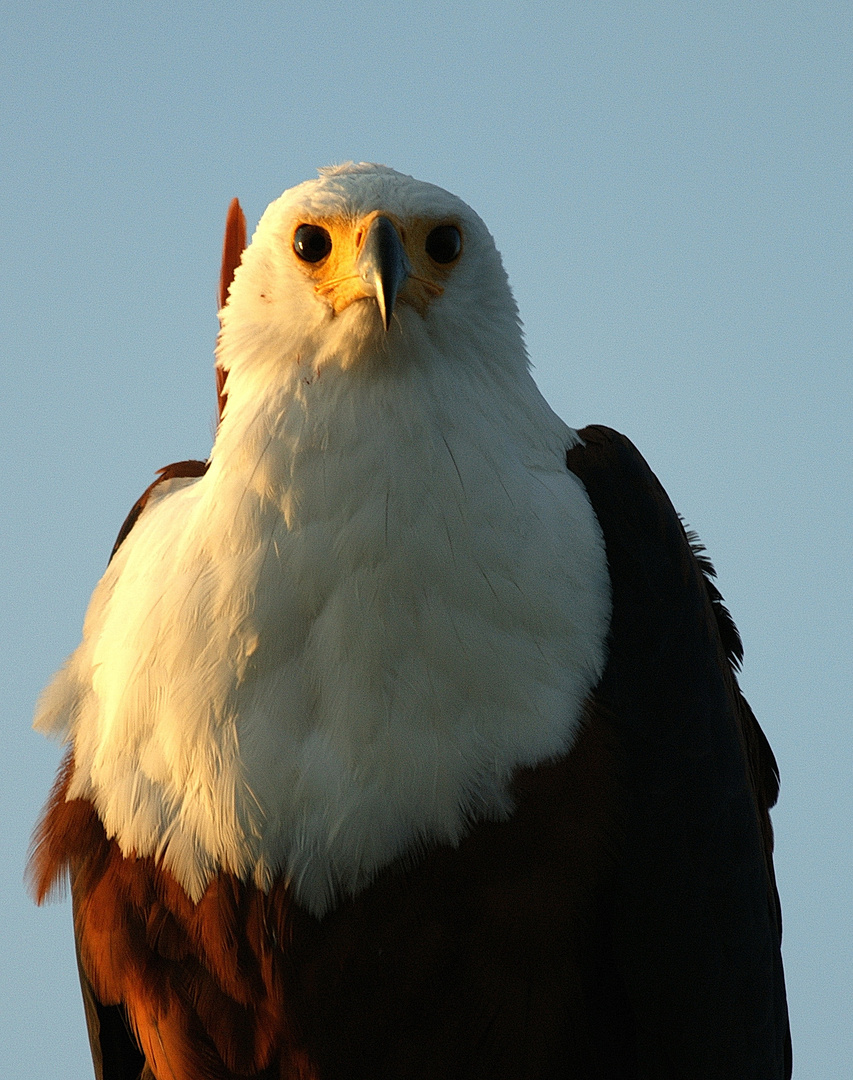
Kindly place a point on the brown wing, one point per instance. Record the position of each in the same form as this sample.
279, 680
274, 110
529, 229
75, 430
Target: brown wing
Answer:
695, 920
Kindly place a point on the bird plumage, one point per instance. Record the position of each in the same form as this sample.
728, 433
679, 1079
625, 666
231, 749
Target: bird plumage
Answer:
403, 738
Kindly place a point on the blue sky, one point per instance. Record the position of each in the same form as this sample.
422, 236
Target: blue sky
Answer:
669, 184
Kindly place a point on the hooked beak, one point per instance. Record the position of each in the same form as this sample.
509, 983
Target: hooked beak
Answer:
383, 265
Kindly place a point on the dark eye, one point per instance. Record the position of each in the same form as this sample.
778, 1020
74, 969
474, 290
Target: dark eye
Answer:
444, 243
312, 243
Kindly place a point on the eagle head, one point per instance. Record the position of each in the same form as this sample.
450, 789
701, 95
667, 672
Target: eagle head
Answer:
366, 264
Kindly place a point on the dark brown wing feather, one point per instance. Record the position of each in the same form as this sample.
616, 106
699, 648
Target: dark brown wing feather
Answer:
763, 770
696, 924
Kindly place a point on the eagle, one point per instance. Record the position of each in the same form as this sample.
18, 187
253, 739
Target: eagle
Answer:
405, 740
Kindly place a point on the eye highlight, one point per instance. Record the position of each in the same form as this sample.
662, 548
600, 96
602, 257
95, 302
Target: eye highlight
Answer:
444, 243
312, 243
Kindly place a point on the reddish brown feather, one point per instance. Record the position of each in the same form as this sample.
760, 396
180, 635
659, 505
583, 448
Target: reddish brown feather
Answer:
61, 824
201, 984
233, 247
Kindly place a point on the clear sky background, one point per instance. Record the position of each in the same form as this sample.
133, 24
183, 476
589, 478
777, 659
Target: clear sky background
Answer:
669, 184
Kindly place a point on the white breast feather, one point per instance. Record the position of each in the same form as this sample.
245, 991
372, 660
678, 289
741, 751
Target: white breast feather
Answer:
386, 594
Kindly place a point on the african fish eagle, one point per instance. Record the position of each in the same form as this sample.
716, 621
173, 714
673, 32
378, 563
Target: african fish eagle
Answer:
404, 737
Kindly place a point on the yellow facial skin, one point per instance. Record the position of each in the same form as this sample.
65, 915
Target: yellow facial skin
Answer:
337, 280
